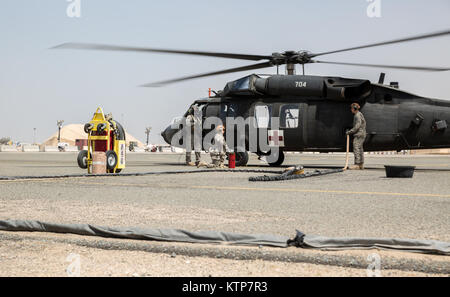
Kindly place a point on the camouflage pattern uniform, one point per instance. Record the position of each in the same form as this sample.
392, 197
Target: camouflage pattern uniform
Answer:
218, 150
193, 121
359, 135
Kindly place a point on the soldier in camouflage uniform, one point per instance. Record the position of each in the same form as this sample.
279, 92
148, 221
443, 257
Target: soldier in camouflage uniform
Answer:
359, 135
219, 150
194, 121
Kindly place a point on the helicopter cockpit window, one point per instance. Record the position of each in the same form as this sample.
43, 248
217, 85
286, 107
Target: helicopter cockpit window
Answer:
262, 115
242, 84
289, 116
176, 120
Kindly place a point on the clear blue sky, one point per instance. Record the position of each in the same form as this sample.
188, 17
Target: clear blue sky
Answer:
38, 86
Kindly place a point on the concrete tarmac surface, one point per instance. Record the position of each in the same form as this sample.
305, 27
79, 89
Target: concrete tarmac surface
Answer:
349, 204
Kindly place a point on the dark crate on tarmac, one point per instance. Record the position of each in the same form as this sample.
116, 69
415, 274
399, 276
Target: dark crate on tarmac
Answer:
399, 171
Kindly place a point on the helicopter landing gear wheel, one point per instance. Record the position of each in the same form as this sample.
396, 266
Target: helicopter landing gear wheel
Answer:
241, 158
277, 160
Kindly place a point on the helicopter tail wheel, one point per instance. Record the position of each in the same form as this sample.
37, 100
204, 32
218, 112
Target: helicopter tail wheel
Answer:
241, 158
111, 160
277, 160
82, 159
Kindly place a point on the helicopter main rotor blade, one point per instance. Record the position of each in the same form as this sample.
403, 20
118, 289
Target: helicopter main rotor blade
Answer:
424, 36
105, 47
420, 68
231, 70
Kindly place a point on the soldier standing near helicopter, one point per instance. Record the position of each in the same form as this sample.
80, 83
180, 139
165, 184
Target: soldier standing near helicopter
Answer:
194, 121
359, 135
218, 150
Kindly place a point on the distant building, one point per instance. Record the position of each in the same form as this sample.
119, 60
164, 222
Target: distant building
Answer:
80, 143
73, 132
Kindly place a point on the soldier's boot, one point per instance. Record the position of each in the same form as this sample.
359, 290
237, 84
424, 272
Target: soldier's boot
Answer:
198, 158
361, 166
202, 164
355, 167
216, 162
188, 159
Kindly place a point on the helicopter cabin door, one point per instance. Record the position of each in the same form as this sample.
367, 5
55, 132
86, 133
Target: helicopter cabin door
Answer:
291, 125
262, 113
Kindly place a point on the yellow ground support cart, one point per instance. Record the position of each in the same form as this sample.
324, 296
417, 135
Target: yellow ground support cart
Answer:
104, 135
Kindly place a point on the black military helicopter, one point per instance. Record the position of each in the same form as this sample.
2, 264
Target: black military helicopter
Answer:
314, 110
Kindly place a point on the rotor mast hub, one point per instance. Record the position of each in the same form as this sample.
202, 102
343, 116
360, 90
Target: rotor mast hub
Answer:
291, 58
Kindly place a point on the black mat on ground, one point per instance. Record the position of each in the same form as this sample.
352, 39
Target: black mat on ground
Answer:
176, 235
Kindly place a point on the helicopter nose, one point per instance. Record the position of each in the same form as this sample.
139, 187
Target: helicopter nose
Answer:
167, 134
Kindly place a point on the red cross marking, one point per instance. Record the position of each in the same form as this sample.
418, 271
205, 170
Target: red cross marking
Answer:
276, 138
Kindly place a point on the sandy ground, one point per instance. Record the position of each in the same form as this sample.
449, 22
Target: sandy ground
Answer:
46, 256
364, 204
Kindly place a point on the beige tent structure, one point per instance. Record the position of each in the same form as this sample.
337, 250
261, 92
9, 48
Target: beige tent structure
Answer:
70, 133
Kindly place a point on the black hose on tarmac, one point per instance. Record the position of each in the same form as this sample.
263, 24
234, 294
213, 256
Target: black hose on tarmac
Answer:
291, 174
30, 177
